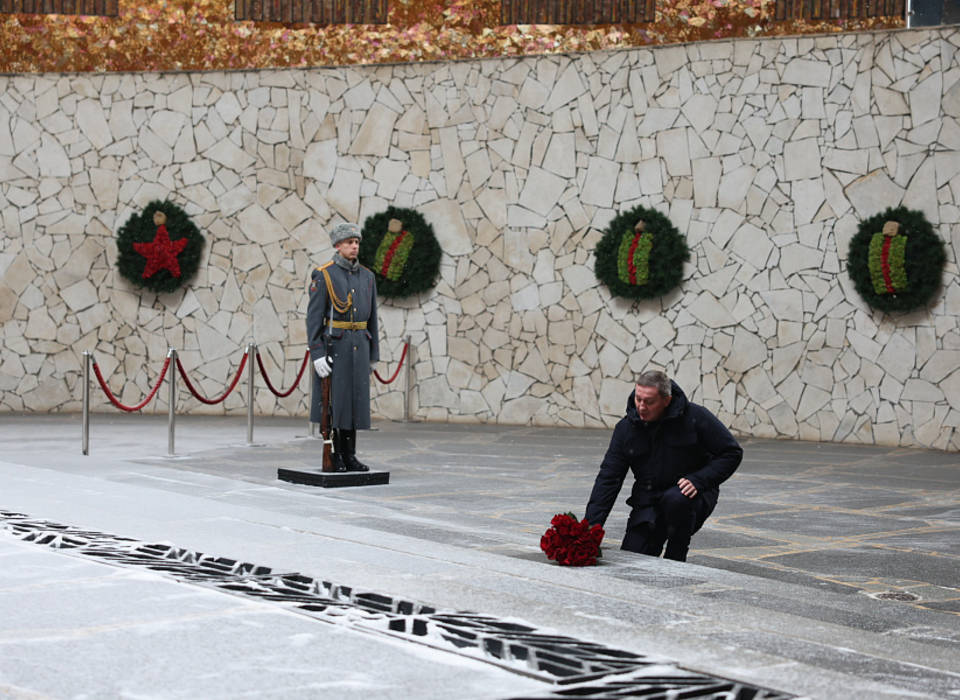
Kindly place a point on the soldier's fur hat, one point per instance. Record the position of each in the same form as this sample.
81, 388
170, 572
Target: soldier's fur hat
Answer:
343, 231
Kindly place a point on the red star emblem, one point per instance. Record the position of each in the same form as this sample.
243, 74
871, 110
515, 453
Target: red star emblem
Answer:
161, 253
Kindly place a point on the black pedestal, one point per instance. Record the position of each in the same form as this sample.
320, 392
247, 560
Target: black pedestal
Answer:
315, 477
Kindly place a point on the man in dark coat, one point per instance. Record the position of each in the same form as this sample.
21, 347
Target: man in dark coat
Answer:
679, 454
344, 342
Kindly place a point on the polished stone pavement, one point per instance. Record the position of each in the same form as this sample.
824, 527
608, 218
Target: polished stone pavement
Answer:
825, 567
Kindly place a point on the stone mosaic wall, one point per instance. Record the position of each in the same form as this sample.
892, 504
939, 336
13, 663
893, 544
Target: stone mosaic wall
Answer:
766, 153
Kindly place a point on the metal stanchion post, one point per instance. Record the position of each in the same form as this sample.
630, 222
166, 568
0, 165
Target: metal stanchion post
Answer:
407, 380
85, 442
251, 359
172, 407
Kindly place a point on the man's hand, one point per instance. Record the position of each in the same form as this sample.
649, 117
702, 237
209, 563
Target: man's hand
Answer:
324, 366
687, 488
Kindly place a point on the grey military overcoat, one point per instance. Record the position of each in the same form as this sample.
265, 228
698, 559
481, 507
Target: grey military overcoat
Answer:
353, 351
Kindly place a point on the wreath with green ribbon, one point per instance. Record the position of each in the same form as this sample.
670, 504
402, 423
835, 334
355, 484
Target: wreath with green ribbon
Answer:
896, 260
159, 248
402, 250
641, 254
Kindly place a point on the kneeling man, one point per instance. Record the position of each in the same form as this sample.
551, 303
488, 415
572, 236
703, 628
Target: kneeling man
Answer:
679, 454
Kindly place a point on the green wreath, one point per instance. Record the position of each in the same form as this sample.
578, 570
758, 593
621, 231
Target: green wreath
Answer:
896, 260
402, 250
160, 248
641, 255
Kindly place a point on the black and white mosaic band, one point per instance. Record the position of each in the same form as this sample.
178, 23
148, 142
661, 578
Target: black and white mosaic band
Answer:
572, 667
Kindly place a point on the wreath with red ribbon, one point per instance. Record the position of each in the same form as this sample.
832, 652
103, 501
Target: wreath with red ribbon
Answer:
159, 248
641, 255
402, 250
896, 260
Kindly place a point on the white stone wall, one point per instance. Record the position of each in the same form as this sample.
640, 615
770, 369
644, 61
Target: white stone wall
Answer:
766, 153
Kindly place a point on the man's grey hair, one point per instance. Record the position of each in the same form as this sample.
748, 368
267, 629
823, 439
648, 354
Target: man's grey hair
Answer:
658, 380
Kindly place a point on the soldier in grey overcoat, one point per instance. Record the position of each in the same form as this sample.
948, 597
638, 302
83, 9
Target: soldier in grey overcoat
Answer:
344, 342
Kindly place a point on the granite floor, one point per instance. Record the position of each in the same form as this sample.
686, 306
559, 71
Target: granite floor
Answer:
824, 565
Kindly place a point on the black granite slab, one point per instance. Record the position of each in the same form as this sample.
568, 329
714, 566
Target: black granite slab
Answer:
796, 576
876, 562
807, 607
942, 542
824, 523
715, 539
315, 477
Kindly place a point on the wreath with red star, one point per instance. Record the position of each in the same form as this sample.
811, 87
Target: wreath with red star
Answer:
159, 248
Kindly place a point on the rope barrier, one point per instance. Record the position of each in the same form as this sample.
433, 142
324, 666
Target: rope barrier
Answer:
233, 384
196, 394
113, 399
178, 366
403, 356
296, 381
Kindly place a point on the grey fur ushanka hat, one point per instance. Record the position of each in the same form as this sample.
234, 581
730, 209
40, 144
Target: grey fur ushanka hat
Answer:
343, 231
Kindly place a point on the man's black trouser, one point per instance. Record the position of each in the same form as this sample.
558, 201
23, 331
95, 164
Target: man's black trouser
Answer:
677, 518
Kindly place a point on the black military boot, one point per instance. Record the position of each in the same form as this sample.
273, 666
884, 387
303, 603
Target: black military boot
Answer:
350, 452
339, 451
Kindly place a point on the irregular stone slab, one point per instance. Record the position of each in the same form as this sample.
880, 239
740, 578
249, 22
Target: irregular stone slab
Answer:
672, 146
229, 155
92, 122
578, 278
567, 88
924, 99
801, 159
344, 193
706, 181
449, 226
259, 226
748, 351
786, 304
541, 191
167, 125
706, 309
753, 245
320, 161
600, 183
52, 159
373, 138
80, 295
872, 193
801, 71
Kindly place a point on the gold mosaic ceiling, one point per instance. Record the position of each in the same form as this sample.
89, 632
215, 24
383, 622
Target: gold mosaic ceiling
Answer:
163, 35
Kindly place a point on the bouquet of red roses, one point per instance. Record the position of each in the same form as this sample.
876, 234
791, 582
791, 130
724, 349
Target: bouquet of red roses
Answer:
571, 542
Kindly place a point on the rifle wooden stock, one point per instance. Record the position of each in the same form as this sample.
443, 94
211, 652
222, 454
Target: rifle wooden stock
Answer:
326, 418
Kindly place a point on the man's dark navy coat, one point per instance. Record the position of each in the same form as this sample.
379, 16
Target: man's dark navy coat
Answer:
688, 441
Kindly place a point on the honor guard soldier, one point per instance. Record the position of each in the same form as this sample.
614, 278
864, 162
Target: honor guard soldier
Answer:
344, 342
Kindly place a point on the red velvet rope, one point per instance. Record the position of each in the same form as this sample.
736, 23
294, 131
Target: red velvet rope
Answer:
402, 357
196, 394
296, 381
113, 399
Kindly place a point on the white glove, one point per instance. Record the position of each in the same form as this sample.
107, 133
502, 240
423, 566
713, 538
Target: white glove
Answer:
324, 366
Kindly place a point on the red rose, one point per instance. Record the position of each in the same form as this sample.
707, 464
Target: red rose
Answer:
572, 542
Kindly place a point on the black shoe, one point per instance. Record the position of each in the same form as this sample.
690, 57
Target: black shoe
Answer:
339, 452
354, 464
339, 463
349, 438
